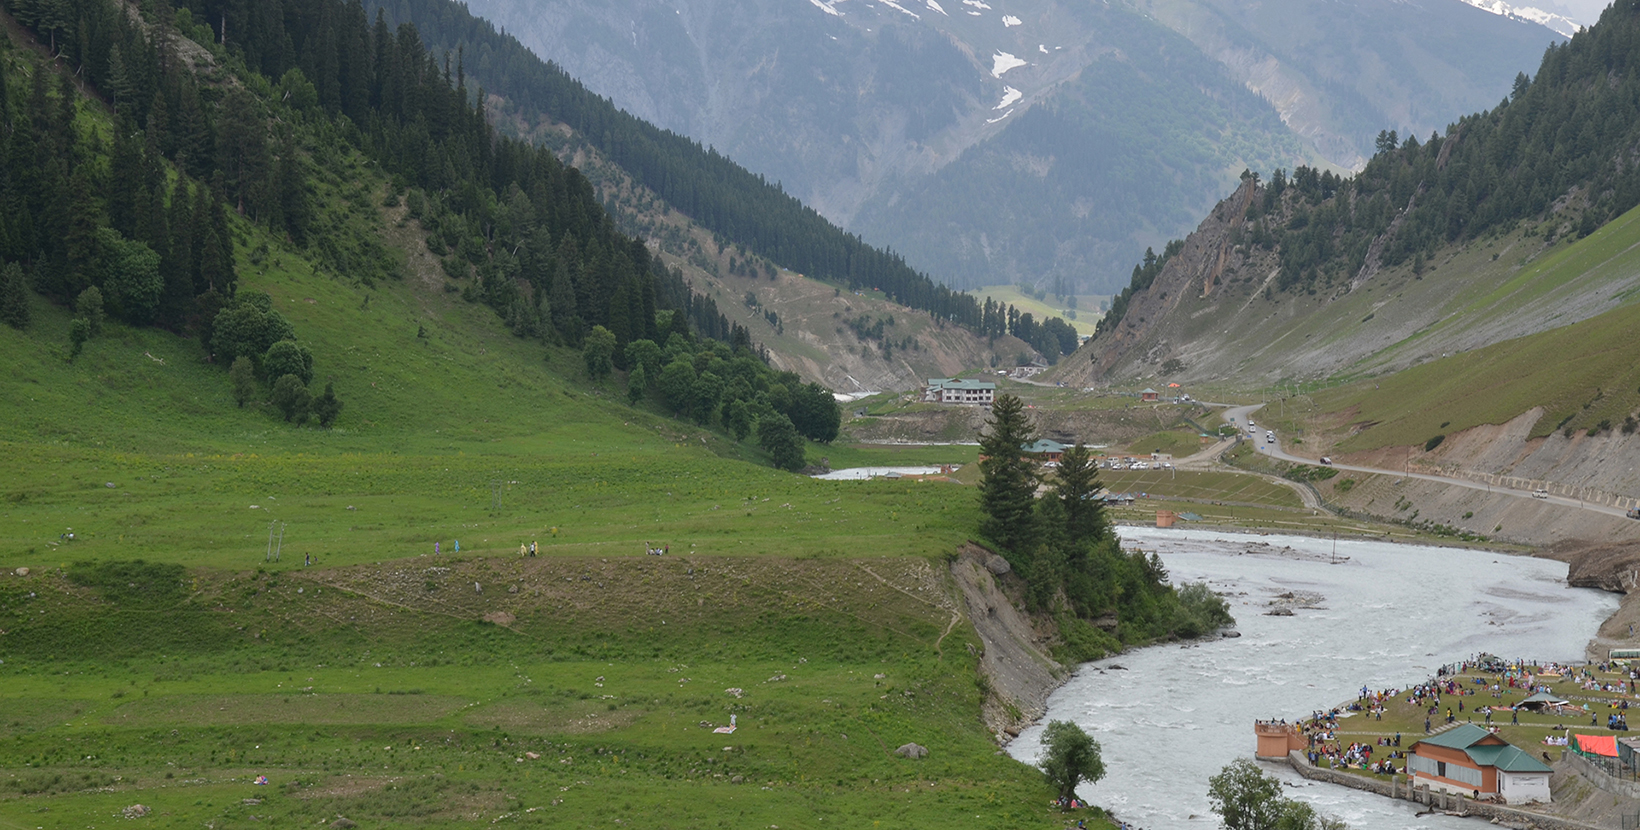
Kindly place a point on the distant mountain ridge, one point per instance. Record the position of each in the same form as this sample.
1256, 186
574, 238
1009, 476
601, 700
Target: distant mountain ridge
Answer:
907, 121
1435, 247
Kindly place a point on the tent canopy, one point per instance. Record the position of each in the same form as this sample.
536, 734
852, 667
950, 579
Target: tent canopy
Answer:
1605, 745
1541, 700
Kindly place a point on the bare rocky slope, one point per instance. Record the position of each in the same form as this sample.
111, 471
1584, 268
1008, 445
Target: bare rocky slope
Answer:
1014, 661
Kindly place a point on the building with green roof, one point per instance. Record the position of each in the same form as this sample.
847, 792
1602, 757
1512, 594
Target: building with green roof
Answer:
1470, 760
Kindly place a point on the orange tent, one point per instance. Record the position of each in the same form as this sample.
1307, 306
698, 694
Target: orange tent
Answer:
1597, 744
1173, 386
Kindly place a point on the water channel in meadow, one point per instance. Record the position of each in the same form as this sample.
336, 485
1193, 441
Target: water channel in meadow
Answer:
1375, 614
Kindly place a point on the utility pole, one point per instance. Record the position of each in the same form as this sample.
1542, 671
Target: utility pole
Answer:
276, 542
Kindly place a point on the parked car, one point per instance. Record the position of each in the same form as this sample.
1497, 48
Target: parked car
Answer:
1540, 493
1633, 513
1327, 461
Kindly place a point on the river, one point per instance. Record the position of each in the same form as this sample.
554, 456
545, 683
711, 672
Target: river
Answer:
1386, 616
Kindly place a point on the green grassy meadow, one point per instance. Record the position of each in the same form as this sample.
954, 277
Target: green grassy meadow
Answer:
399, 688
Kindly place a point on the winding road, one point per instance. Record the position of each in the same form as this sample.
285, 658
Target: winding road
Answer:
1238, 416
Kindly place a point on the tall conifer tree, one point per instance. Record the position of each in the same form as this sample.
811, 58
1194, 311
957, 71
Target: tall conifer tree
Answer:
1007, 487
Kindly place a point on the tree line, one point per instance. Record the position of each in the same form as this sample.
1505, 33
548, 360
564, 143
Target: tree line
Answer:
718, 385
1051, 337
1067, 550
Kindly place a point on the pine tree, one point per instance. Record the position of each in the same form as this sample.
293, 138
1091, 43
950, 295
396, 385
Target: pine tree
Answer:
326, 407
1077, 489
242, 151
291, 186
1007, 488
177, 262
5, 100
14, 302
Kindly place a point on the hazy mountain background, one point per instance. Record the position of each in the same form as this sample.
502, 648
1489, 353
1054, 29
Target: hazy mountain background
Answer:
1043, 141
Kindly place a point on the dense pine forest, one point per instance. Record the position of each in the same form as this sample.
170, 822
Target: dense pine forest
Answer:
207, 129
1561, 143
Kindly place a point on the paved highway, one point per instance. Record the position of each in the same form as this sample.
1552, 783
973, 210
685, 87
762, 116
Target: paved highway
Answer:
1238, 417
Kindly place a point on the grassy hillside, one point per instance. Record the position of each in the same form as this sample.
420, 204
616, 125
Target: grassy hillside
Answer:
1583, 375
150, 653
377, 692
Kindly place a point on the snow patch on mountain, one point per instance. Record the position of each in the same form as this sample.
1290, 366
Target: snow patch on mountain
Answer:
936, 7
999, 118
1010, 20
1009, 96
1559, 24
1002, 62
825, 6
978, 4
901, 9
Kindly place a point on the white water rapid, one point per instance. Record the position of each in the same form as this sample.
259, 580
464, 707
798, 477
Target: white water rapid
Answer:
1385, 617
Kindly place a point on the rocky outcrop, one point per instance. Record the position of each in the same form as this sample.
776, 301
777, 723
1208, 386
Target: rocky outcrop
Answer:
1198, 271
1014, 663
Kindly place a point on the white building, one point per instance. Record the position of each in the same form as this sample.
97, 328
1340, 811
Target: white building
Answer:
949, 390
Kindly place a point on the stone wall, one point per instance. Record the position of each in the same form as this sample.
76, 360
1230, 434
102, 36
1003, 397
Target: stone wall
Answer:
1600, 778
1436, 799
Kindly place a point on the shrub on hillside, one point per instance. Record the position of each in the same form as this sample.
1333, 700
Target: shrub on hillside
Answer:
780, 440
89, 307
599, 352
133, 582
243, 378
287, 357
292, 398
249, 327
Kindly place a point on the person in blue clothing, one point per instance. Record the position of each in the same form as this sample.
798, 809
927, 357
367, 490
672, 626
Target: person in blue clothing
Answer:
458, 546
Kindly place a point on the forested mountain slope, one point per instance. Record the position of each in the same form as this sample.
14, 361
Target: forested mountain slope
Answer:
109, 212
537, 99
1436, 246
898, 120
